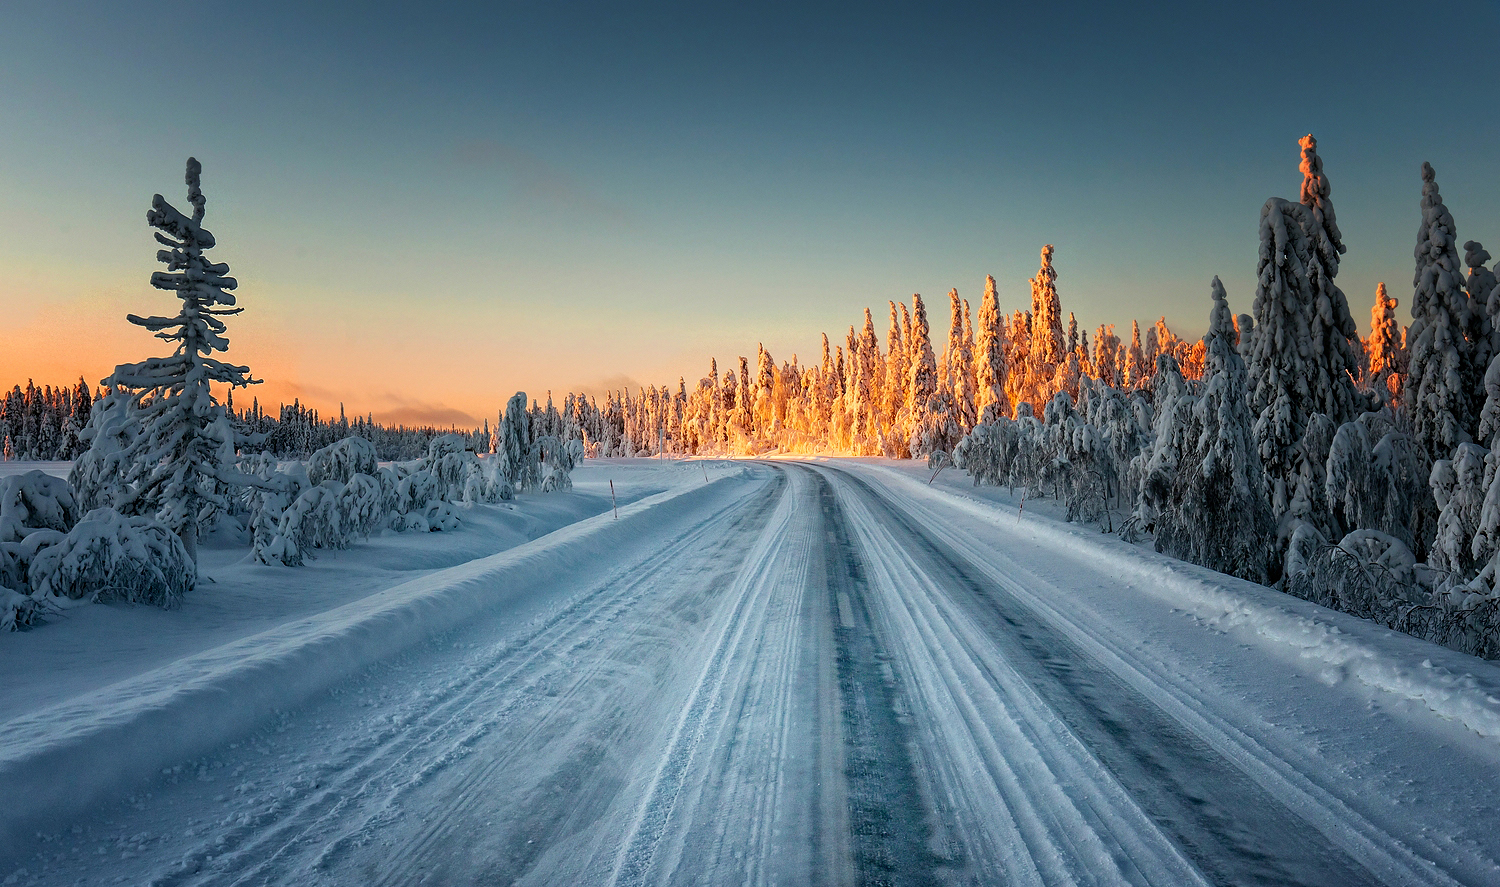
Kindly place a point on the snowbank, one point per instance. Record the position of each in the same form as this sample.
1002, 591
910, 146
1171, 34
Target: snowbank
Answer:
58, 758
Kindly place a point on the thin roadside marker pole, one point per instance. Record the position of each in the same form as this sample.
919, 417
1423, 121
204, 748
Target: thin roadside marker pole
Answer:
612, 503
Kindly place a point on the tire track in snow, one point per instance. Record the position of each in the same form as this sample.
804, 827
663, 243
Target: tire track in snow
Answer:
415, 859
735, 807
641, 858
888, 816
1232, 828
395, 758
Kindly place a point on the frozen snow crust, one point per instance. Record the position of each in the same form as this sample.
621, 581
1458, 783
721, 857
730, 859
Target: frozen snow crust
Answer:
61, 757
1455, 686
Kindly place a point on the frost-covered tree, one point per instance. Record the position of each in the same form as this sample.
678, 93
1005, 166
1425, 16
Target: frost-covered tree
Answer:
893, 394
1017, 359
958, 359
1373, 478
1049, 344
922, 377
1384, 351
1221, 518
1443, 381
991, 369
1107, 358
514, 452
1302, 360
1459, 489
1482, 286
1244, 325
1135, 371
1175, 434
176, 452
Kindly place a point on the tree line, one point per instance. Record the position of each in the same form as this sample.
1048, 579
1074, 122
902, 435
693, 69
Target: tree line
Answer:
1282, 447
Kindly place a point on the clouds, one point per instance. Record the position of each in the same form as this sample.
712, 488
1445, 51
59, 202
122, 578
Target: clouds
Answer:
599, 388
387, 407
535, 179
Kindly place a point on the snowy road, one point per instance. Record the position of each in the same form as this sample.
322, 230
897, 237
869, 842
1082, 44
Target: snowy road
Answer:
826, 674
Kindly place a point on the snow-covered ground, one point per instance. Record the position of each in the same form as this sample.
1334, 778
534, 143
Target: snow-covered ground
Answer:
761, 672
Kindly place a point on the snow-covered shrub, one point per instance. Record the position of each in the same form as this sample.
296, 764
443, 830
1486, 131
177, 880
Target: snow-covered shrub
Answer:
415, 490
1304, 545
108, 556
342, 460
17, 610
36, 511
310, 521
98, 475
1458, 487
269, 501
1124, 424
1372, 476
559, 457
330, 514
936, 428
451, 462
19, 604
1368, 574
1089, 471
420, 505
987, 451
35, 501
434, 517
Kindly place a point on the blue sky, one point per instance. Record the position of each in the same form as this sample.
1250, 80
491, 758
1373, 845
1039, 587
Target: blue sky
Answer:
429, 210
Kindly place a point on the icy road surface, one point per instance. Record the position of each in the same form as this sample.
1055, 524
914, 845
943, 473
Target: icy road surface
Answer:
830, 673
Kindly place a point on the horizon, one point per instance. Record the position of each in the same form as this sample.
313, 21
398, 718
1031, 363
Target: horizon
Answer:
526, 199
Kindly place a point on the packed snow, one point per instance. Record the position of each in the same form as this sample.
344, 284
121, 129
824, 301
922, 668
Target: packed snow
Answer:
762, 671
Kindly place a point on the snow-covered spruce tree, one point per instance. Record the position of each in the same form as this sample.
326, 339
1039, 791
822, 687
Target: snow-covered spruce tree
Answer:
1302, 358
764, 396
1175, 434
922, 379
1220, 518
893, 402
1483, 286
1135, 371
1017, 361
1479, 328
989, 356
865, 382
515, 450
1245, 326
1383, 351
958, 359
183, 446
1049, 344
1442, 381
1106, 357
